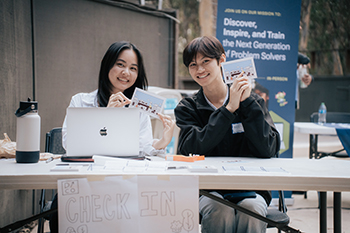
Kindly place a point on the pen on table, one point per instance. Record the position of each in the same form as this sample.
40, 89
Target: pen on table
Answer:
174, 167
74, 164
49, 160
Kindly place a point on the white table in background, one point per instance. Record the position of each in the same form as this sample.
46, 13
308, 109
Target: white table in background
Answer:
314, 130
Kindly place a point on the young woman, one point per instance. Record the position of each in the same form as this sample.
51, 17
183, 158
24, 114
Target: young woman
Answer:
224, 120
121, 71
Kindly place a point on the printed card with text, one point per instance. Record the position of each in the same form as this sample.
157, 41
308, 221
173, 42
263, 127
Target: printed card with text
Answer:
232, 69
149, 103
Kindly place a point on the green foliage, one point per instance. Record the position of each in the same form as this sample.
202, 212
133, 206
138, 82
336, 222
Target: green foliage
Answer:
329, 35
188, 15
329, 20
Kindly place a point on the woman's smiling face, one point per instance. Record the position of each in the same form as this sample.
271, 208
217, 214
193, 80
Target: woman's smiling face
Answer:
124, 72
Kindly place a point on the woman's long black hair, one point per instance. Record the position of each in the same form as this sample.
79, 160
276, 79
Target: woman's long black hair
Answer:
105, 86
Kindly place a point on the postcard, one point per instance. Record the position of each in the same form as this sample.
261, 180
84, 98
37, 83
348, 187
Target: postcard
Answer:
147, 102
232, 69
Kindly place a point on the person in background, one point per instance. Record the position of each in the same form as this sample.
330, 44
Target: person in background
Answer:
304, 79
225, 120
121, 71
263, 92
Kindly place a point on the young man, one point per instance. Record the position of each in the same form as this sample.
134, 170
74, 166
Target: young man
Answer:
222, 120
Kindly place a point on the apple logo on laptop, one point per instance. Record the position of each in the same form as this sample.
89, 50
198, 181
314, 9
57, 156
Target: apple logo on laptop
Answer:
103, 131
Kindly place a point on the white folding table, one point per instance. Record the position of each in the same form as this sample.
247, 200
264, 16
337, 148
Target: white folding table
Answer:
282, 174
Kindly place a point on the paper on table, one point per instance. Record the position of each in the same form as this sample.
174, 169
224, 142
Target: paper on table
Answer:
254, 169
157, 166
63, 168
135, 165
102, 160
202, 168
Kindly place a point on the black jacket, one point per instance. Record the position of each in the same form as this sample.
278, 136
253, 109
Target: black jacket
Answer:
209, 132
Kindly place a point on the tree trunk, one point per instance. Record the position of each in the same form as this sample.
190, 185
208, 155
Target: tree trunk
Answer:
206, 21
304, 24
337, 66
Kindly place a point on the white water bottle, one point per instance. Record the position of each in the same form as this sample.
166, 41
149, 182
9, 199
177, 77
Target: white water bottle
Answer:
28, 132
322, 112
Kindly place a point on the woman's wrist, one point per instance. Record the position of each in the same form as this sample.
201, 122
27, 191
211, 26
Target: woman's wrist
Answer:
159, 144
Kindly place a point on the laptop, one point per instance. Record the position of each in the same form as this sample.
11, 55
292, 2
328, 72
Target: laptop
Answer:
102, 131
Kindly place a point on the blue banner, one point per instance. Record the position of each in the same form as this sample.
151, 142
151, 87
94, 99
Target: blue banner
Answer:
268, 31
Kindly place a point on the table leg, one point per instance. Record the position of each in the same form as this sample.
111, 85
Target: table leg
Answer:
337, 212
311, 141
323, 212
316, 147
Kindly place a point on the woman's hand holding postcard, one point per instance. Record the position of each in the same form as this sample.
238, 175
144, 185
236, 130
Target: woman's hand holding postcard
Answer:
147, 102
232, 69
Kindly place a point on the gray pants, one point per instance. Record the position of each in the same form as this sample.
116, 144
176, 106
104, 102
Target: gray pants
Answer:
219, 218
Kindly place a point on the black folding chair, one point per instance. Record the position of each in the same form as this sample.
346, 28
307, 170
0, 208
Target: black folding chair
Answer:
53, 144
277, 218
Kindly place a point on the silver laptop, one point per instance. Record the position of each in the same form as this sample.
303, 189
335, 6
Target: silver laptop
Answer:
102, 131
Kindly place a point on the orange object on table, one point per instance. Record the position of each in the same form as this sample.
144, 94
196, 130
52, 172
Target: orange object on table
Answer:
184, 158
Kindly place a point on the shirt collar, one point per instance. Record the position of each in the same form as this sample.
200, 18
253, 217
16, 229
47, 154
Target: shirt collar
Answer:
212, 105
90, 99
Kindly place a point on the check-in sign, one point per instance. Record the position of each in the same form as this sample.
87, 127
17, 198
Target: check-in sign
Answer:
129, 204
